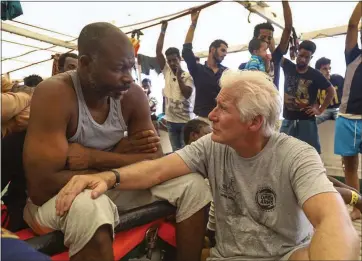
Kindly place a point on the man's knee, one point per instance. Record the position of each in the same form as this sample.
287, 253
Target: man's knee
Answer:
84, 218
194, 186
84, 206
188, 193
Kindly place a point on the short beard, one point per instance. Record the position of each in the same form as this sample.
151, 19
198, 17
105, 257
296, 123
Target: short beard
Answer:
301, 67
216, 59
92, 83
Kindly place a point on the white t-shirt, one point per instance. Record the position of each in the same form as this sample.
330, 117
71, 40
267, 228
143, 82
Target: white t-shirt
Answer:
178, 109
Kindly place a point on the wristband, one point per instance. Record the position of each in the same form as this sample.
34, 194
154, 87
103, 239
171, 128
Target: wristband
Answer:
354, 198
118, 178
193, 25
163, 31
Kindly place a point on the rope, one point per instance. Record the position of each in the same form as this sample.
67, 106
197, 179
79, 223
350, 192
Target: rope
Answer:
26, 45
32, 64
182, 13
39, 49
44, 29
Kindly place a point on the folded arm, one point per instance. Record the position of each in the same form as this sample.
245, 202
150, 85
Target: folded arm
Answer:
46, 145
139, 121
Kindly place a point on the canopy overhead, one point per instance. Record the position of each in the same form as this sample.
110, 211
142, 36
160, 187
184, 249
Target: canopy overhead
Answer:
225, 20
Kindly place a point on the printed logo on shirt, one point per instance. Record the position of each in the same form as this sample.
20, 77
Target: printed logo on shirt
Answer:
322, 94
230, 197
296, 96
266, 199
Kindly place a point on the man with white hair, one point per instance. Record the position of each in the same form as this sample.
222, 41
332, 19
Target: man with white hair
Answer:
269, 189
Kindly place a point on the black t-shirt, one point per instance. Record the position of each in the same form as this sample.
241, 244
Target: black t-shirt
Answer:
352, 90
337, 81
205, 80
300, 90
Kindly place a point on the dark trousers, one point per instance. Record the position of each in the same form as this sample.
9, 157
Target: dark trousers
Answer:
12, 171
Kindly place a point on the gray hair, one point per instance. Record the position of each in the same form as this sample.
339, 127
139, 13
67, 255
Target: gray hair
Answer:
256, 95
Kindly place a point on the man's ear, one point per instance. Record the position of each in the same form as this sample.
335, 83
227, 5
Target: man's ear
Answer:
85, 60
194, 136
256, 123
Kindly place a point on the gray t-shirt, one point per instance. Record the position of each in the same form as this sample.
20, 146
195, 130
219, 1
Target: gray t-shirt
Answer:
258, 200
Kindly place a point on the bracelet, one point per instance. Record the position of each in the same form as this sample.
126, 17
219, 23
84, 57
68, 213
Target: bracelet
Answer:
193, 25
118, 178
163, 31
354, 198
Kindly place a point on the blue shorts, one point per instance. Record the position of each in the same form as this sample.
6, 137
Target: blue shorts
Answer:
347, 137
305, 130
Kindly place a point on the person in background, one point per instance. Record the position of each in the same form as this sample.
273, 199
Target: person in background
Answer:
67, 62
6, 84
197, 59
206, 76
13, 110
32, 80
152, 101
301, 86
179, 91
259, 56
195, 129
265, 32
324, 66
273, 200
19, 122
347, 139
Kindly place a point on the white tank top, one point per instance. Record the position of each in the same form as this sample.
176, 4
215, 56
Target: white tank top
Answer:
91, 134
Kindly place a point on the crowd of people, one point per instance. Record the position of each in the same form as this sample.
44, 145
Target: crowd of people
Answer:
90, 147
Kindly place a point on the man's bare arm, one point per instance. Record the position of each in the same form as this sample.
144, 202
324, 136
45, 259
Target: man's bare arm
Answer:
137, 176
186, 90
159, 55
190, 33
335, 237
352, 31
329, 97
288, 20
46, 145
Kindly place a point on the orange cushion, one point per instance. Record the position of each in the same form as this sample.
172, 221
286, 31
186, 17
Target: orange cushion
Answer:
167, 232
